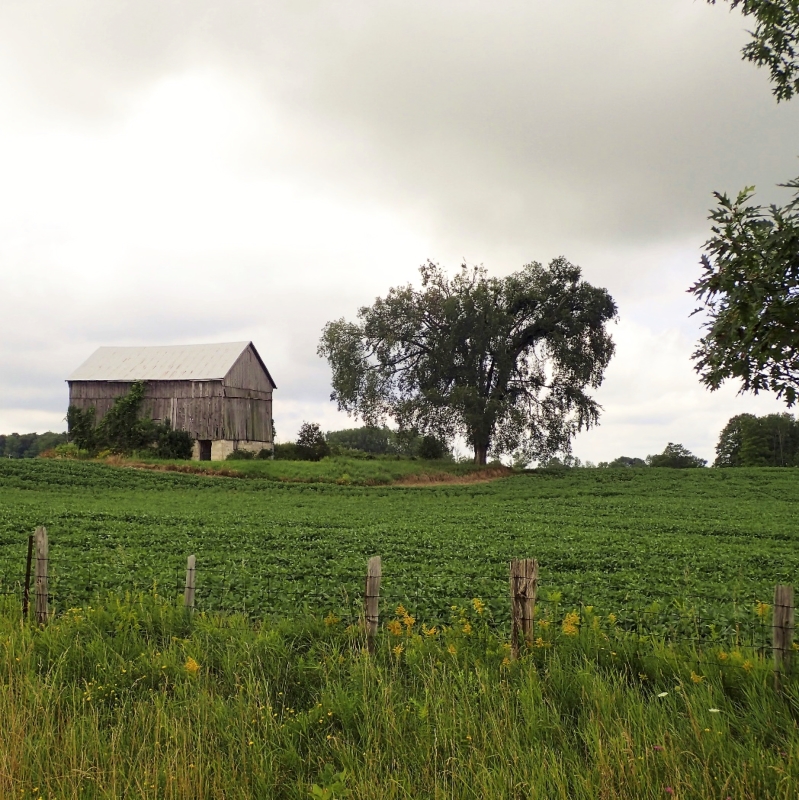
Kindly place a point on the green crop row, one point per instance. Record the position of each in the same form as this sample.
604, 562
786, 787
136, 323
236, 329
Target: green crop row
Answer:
686, 550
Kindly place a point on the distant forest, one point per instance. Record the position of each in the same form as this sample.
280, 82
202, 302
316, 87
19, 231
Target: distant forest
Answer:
750, 441
29, 445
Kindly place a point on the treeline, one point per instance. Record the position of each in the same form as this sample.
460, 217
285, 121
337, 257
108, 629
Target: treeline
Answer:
365, 442
674, 456
29, 445
750, 441
746, 441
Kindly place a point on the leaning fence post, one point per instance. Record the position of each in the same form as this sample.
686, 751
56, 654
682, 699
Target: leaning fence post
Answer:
523, 587
782, 632
188, 594
27, 589
371, 600
41, 574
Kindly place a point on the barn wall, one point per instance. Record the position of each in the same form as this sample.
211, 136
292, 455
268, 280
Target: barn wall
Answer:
205, 409
247, 373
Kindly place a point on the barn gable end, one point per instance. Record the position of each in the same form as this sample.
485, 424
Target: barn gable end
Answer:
249, 372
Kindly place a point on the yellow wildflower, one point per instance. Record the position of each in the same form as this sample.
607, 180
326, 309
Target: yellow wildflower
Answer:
747, 665
505, 662
570, 624
539, 642
430, 631
544, 624
394, 627
696, 678
478, 605
612, 619
331, 619
723, 656
192, 666
401, 612
408, 621
398, 650
761, 609
467, 628
451, 650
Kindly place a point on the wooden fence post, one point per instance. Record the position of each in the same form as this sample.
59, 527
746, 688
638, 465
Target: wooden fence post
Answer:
27, 589
782, 632
188, 594
523, 587
41, 574
371, 600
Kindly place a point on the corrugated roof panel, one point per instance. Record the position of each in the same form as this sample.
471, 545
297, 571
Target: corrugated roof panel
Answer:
184, 362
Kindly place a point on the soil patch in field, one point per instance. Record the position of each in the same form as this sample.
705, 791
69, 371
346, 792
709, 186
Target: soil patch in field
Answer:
478, 476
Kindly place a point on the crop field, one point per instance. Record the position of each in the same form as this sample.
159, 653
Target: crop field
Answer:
663, 543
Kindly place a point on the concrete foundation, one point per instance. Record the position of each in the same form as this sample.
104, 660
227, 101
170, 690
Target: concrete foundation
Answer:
220, 449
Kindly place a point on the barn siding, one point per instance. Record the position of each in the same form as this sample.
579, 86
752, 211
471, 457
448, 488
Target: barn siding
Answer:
247, 373
203, 408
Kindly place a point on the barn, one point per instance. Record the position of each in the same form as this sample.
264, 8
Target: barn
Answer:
220, 393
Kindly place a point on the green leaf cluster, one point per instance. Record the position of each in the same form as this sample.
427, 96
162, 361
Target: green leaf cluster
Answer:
749, 290
775, 41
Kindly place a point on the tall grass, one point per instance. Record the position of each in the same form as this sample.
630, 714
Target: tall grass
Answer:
339, 470
131, 699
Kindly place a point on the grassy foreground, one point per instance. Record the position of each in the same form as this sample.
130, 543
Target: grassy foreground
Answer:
130, 699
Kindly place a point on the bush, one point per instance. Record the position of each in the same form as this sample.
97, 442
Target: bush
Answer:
677, 457
311, 444
287, 452
66, 450
432, 449
627, 461
367, 439
173, 443
240, 455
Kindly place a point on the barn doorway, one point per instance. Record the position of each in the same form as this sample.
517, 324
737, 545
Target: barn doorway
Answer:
205, 449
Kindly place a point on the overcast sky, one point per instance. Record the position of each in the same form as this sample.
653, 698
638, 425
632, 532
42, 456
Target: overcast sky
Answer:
179, 172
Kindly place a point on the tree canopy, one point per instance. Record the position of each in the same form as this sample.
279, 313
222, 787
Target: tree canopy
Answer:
775, 41
768, 441
505, 362
677, 457
749, 289
29, 445
749, 286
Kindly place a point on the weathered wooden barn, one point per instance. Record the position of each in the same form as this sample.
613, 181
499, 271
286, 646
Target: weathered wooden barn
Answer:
220, 393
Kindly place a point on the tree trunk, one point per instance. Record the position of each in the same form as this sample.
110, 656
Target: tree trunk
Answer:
480, 453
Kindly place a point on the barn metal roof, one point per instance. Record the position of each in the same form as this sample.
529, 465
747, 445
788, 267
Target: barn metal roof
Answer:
171, 363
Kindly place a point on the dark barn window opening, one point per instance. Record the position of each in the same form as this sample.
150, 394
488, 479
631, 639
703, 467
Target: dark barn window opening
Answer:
205, 449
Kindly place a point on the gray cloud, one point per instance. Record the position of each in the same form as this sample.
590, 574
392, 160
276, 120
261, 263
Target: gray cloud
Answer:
500, 133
